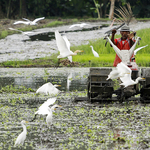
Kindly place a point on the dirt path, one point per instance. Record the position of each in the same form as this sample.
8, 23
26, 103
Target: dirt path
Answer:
13, 47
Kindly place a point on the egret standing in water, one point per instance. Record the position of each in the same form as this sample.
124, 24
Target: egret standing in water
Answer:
22, 136
49, 89
63, 48
94, 52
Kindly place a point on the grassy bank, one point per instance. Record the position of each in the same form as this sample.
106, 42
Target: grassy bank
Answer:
86, 59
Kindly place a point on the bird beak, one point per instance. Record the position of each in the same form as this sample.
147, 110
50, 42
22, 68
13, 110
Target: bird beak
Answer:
26, 121
143, 78
58, 85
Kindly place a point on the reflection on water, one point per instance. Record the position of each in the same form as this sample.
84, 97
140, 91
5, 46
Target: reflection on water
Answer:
73, 81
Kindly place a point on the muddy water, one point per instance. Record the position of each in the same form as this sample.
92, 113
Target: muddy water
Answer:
77, 125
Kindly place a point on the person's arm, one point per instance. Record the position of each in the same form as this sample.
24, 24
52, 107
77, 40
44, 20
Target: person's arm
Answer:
113, 36
130, 36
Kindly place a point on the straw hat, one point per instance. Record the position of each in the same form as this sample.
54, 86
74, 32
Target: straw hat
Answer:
125, 28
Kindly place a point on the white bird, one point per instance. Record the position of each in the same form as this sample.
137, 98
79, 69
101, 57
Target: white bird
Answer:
48, 89
94, 52
127, 81
28, 22
42, 110
63, 48
119, 71
25, 33
78, 25
22, 136
49, 117
135, 51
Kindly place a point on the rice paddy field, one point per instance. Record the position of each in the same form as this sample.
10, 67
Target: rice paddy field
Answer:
77, 124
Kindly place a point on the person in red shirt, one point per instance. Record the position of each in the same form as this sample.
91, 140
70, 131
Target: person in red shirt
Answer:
123, 43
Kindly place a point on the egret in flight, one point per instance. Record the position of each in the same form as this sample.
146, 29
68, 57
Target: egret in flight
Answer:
44, 109
63, 47
81, 25
22, 136
24, 33
119, 71
28, 22
94, 52
48, 89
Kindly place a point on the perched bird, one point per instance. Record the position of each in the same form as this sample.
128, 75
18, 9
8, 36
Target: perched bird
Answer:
28, 22
94, 52
135, 51
78, 25
48, 89
22, 136
119, 71
63, 48
24, 33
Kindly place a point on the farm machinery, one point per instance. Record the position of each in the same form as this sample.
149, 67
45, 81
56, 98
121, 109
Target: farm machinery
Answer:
100, 89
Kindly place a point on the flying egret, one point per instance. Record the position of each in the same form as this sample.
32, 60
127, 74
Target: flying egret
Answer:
78, 25
135, 51
94, 52
22, 136
62, 46
127, 81
28, 22
24, 33
48, 89
119, 71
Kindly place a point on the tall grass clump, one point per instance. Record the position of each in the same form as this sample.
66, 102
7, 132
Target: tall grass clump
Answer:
3, 34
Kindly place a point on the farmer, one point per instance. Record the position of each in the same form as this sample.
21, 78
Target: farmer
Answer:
123, 43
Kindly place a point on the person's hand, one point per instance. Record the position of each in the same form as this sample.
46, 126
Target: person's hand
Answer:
131, 35
114, 31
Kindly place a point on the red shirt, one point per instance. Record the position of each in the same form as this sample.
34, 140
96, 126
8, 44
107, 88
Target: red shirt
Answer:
122, 45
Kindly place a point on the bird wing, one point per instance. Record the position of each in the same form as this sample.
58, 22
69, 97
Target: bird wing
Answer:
38, 19
135, 51
20, 139
26, 19
24, 22
68, 45
44, 108
74, 25
43, 89
62, 46
126, 80
122, 68
15, 30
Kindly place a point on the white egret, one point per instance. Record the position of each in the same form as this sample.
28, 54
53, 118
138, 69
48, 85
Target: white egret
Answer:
42, 110
24, 33
48, 89
22, 136
119, 71
127, 81
62, 47
135, 51
49, 117
28, 22
78, 25
94, 52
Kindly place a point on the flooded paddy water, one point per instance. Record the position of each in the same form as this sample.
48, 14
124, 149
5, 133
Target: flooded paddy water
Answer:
76, 125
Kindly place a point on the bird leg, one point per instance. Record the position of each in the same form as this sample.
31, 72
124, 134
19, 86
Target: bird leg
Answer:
34, 118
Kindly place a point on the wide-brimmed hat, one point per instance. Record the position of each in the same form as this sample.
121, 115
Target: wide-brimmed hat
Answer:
125, 28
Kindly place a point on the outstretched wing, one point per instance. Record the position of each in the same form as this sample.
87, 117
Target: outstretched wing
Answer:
135, 51
24, 22
38, 19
